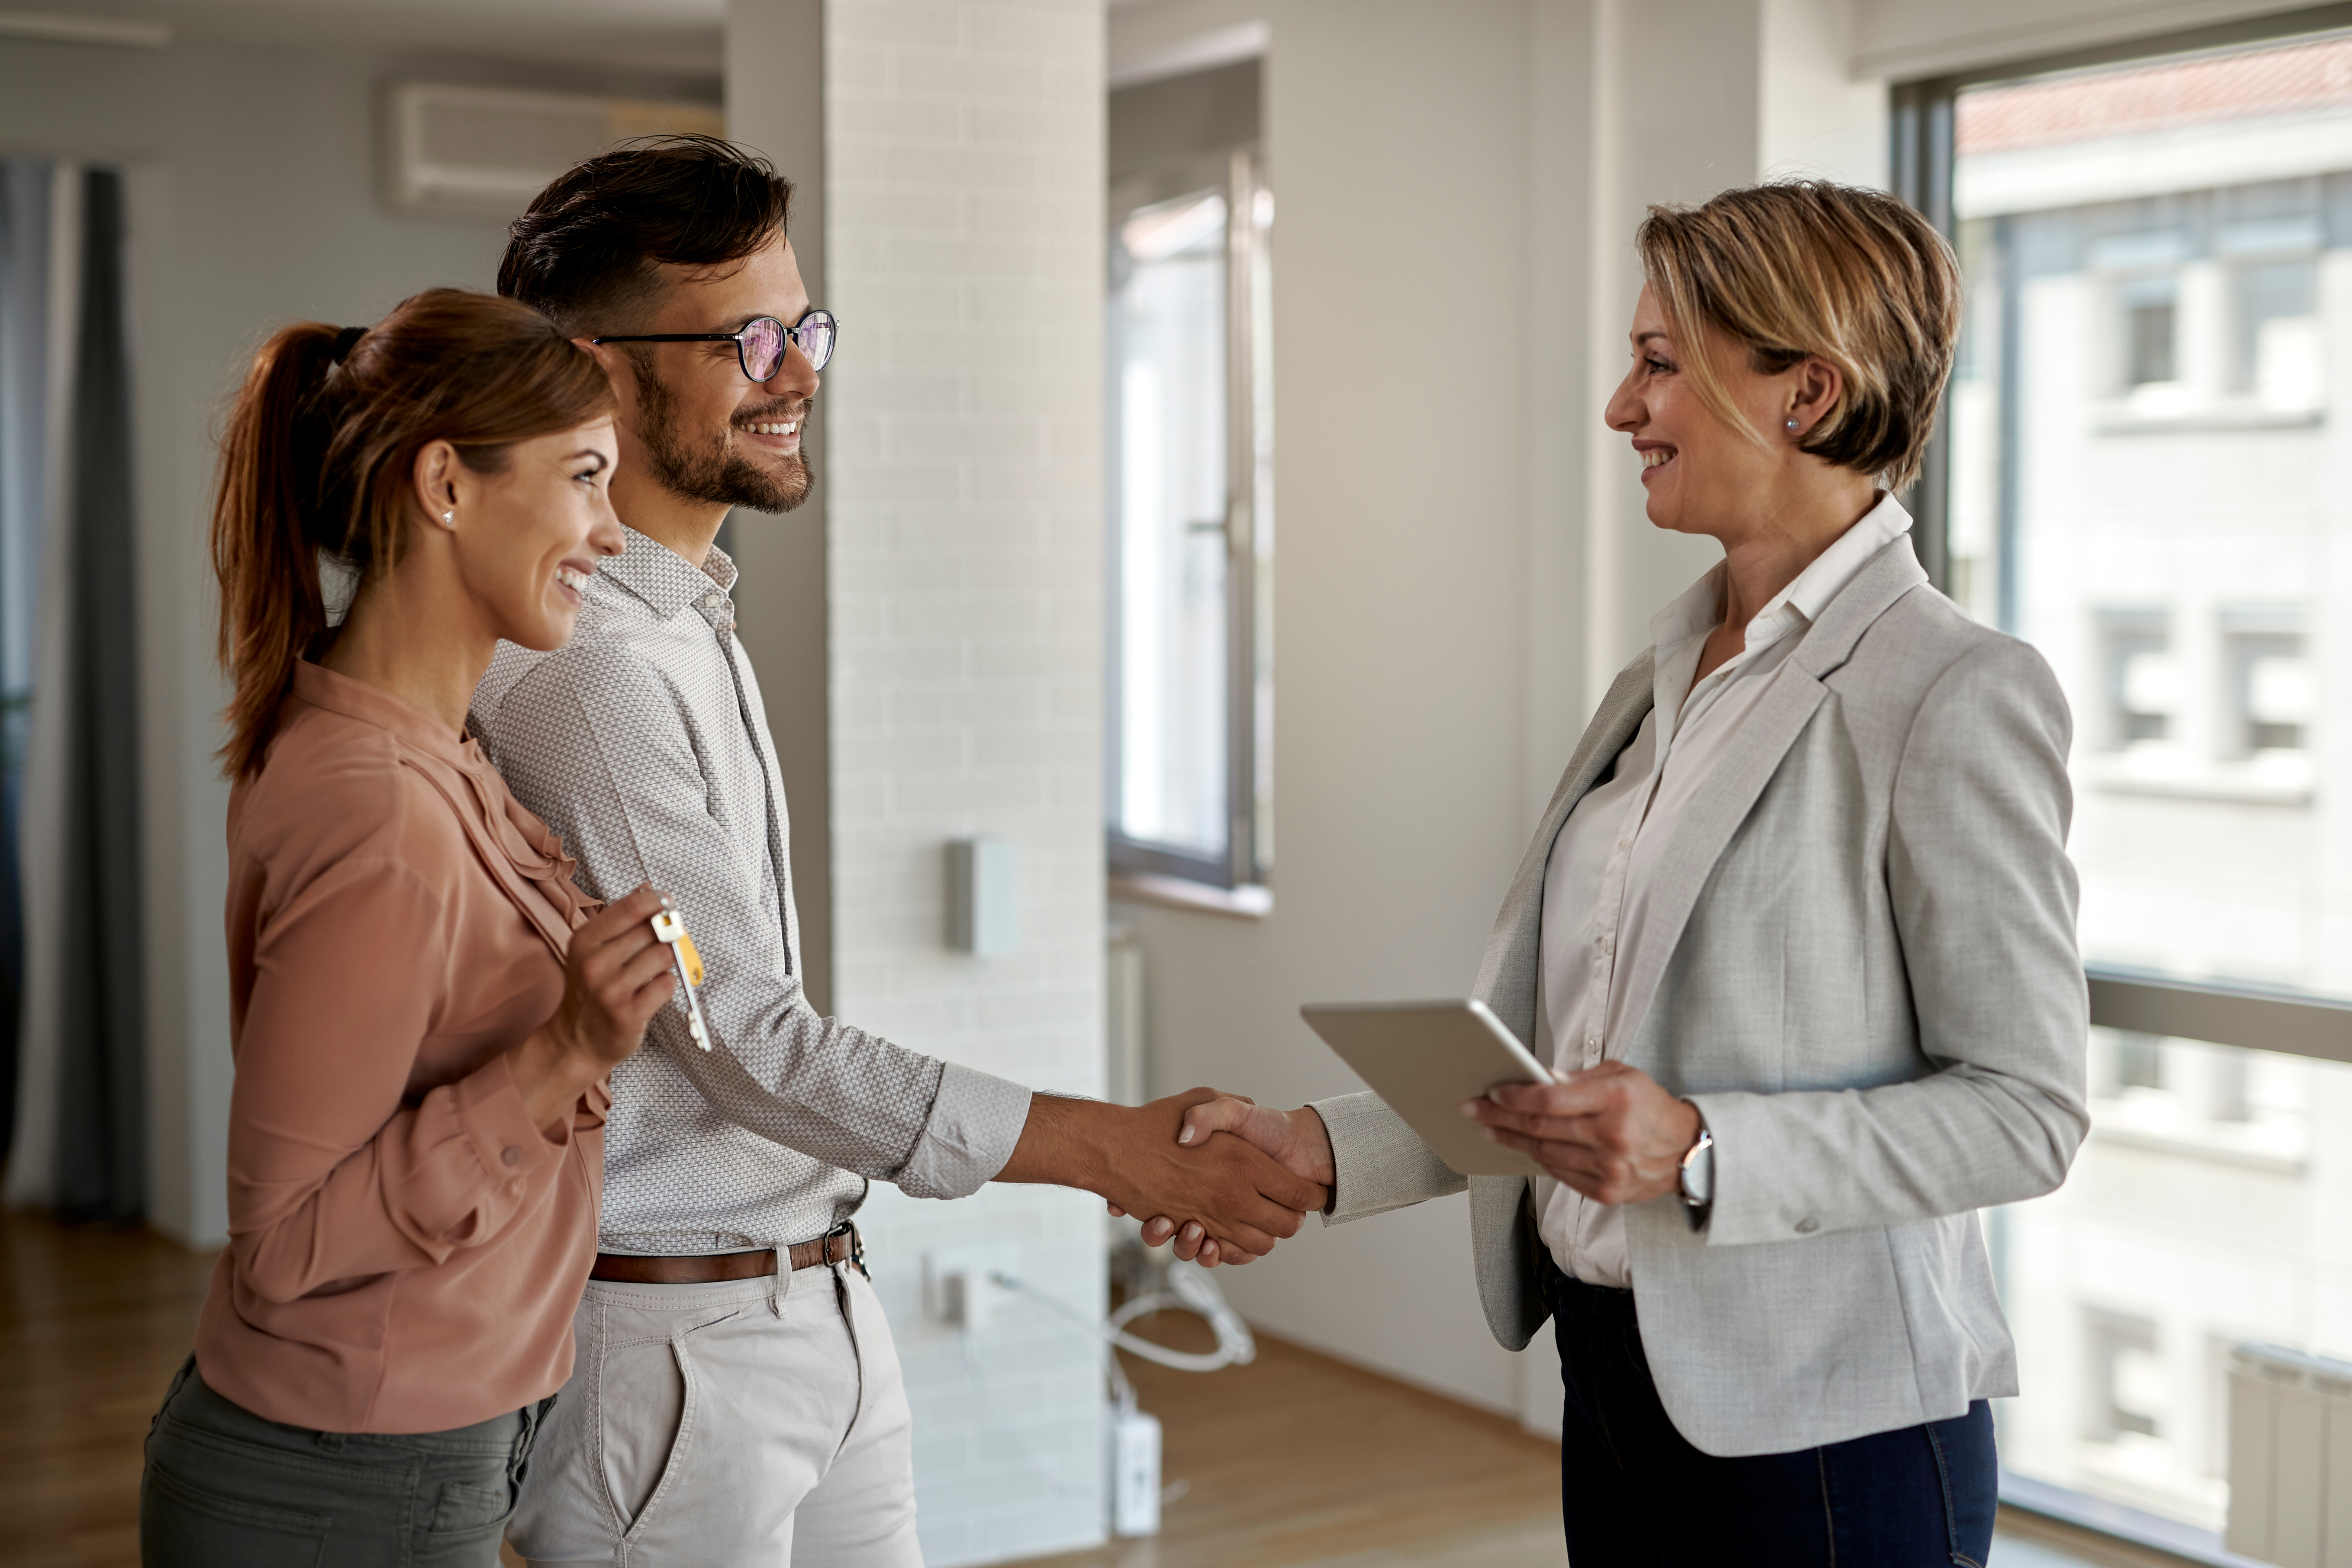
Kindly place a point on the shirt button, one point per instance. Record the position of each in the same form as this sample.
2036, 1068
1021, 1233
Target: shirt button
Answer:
711, 600
510, 1155
1807, 1225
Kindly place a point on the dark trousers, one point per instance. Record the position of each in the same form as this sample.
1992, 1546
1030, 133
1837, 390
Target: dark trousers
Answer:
1636, 1495
226, 1488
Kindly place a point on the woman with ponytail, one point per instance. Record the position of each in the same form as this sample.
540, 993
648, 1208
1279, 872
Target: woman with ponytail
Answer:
423, 1007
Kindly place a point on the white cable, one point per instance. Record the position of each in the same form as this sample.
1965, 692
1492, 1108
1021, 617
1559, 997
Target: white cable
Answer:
1190, 1290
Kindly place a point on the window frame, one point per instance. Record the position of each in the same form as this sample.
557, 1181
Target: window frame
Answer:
1136, 864
2249, 1017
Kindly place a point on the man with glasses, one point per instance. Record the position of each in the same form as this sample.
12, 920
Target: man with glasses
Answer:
735, 1396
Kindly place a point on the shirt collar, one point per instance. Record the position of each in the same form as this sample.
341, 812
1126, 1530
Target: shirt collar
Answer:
1698, 610
662, 577
323, 687
1678, 631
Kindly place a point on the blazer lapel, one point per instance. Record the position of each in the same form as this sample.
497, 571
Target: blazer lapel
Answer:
1506, 973
1752, 758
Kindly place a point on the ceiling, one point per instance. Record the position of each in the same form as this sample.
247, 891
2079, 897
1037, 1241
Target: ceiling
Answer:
661, 37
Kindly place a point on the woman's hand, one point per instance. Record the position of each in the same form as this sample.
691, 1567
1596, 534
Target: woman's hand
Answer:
616, 975
1610, 1131
1296, 1138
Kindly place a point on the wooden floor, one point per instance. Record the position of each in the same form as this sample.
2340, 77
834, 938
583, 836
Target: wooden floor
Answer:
1295, 1461
93, 1323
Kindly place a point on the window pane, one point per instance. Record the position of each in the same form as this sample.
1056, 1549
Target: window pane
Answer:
1166, 337
2148, 486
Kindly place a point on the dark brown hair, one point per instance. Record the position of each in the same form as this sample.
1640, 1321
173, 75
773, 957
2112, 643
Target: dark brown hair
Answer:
318, 454
586, 249
1804, 268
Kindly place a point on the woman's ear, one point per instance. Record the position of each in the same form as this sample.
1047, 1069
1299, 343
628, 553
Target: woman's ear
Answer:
1819, 386
436, 483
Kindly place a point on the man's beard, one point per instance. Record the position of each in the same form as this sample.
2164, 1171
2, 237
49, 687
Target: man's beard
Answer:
711, 470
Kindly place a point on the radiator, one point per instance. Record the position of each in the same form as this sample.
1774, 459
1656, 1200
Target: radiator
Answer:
2290, 1458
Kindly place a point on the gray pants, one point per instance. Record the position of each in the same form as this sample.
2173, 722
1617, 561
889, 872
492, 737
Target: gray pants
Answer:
701, 1430
226, 1488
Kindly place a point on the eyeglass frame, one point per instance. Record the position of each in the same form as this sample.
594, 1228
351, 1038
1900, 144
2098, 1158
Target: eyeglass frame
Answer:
792, 339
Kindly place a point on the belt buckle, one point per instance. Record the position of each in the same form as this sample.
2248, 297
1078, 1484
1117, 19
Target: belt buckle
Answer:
856, 1259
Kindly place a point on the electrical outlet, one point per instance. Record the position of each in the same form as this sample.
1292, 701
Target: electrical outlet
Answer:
958, 1287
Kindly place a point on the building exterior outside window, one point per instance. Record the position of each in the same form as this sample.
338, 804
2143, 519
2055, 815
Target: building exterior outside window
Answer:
2151, 480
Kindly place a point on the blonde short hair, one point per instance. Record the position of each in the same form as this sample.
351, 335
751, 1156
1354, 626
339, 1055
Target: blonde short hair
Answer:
1804, 268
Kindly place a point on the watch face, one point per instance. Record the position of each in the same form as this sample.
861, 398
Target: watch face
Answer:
1698, 1173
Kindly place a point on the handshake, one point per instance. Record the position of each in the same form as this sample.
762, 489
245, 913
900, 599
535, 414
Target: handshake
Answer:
1227, 1178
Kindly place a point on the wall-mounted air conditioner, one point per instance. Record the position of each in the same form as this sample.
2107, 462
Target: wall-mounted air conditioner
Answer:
489, 150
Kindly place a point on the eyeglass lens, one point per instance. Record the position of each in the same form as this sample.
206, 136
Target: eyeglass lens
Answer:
763, 343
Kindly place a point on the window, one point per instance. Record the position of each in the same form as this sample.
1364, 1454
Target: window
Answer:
2142, 684
1189, 504
2151, 306
2142, 473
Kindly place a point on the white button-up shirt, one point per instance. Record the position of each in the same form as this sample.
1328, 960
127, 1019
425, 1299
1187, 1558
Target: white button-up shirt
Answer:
1596, 902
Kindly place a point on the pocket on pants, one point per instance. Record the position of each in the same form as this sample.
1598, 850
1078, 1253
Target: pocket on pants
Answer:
181, 1525
644, 1398
463, 1506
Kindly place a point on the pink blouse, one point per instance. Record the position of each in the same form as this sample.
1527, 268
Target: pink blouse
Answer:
405, 1248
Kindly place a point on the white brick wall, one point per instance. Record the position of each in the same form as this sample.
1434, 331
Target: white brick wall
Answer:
963, 211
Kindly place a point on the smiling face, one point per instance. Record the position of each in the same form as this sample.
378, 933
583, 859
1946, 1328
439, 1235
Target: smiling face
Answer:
529, 537
1702, 473
689, 417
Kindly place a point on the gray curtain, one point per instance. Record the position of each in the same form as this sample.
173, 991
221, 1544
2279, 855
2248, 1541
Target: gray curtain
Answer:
25, 197
101, 1077
70, 919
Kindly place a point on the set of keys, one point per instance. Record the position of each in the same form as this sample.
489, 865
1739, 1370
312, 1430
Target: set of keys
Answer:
669, 928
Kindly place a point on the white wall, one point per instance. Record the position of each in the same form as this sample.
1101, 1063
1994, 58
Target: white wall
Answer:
959, 198
252, 182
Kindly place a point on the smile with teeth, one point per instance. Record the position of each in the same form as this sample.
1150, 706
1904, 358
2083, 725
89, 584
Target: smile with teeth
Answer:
1652, 459
773, 429
577, 581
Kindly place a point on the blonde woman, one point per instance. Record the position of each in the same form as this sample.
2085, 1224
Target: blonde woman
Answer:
1798, 932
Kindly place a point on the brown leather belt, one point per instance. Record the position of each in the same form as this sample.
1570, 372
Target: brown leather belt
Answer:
842, 1246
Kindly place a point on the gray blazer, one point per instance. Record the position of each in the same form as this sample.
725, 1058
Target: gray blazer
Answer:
1874, 999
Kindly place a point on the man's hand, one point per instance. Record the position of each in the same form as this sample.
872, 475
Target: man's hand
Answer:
1296, 1138
1131, 1156
1610, 1131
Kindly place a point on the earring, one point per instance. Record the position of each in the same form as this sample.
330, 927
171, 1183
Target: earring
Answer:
1792, 430
449, 519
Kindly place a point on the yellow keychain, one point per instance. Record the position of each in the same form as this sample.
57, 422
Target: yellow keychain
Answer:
669, 927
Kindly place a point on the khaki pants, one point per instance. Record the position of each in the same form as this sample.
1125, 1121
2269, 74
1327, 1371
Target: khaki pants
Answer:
699, 1430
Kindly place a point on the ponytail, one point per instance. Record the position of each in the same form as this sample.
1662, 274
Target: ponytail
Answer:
317, 456
273, 612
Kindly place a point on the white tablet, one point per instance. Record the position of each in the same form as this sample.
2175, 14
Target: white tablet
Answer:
1426, 1058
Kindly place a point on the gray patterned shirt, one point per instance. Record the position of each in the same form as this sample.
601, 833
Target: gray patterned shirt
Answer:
642, 741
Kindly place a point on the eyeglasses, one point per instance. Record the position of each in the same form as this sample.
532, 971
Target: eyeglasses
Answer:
760, 346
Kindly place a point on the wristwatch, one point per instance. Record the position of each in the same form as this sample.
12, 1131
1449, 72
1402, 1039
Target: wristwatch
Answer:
1696, 1182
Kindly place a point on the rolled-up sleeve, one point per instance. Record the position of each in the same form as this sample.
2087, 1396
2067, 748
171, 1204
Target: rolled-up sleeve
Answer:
1984, 903
331, 1175
596, 742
